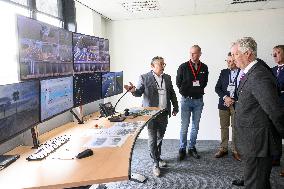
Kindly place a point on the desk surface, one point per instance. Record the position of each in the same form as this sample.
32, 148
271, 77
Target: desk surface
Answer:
106, 165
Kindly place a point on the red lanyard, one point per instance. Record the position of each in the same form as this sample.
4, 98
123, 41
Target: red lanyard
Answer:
193, 71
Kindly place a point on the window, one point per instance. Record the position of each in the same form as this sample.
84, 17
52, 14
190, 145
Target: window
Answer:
51, 7
21, 2
9, 44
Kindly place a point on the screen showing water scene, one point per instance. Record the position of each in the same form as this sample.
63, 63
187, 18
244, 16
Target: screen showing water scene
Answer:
108, 84
87, 88
44, 50
19, 108
56, 96
119, 82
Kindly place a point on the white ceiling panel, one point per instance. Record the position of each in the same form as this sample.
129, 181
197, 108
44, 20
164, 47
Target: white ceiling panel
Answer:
141, 9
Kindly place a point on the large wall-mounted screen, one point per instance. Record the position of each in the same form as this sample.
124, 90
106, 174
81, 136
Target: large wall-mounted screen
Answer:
19, 108
56, 96
87, 88
87, 52
44, 50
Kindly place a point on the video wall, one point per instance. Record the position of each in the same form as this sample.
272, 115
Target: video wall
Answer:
87, 88
19, 108
91, 54
44, 50
56, 96
60, 70
112, 84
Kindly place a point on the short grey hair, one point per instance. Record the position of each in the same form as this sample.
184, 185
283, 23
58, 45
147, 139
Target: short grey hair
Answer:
156, 58
247, 44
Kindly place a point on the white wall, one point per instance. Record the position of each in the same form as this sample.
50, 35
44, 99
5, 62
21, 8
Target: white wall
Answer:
133, 43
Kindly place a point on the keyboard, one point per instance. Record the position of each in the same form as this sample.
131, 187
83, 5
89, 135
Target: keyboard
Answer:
6, 160
48, 147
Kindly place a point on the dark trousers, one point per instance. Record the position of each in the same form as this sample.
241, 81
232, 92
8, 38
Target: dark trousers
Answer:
156, 130
257, 172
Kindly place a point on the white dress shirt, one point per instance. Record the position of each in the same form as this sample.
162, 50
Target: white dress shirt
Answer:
160, 82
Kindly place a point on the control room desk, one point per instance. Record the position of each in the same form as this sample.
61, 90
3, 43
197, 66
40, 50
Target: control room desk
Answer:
106, 165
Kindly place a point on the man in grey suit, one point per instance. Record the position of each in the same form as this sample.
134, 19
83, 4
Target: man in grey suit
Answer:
259, 120
157, 90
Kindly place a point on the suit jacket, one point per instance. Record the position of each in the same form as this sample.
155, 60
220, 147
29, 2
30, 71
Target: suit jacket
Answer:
259, 119
148, 88
280, 81
221, 87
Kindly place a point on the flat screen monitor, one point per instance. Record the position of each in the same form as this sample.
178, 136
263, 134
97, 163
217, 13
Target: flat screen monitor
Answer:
86, 54
44, 50
119, 82
19, 108
108, 84
56, 96
87, 88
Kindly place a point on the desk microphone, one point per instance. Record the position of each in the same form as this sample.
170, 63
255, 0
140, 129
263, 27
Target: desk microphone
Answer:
118, 118
122, 97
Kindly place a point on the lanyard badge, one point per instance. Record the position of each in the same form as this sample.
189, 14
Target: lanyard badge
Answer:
195, 82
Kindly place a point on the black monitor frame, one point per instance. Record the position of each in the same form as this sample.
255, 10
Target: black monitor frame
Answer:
69, 65
74, 90
30, 126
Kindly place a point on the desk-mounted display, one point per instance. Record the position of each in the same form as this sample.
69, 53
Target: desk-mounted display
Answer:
19, 108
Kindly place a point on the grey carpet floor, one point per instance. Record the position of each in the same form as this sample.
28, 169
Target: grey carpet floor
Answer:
206, 172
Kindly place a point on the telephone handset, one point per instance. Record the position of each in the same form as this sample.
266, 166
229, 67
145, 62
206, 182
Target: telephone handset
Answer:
106, 109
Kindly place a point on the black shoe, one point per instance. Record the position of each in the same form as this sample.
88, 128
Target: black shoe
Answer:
192, 152
238, 182
181, 154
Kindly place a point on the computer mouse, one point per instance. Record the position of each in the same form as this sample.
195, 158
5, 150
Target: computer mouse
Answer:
85, 153
126, 112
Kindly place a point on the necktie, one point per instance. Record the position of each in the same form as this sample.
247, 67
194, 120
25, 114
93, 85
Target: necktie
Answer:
279, 69
242, 76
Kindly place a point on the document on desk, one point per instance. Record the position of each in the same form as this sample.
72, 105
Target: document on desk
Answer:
114, 136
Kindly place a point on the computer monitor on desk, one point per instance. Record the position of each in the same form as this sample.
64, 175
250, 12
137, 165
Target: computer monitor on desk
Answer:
19, 108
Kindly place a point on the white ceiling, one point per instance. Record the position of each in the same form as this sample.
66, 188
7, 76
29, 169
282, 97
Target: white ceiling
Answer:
141, 9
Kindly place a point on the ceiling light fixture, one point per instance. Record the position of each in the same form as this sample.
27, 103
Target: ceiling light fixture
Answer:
141, 6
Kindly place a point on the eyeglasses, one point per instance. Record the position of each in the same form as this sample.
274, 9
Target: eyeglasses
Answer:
163, 64
274, 55
230, 61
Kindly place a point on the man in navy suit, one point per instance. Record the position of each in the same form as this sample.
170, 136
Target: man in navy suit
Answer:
259, 119
278, 71
225, 88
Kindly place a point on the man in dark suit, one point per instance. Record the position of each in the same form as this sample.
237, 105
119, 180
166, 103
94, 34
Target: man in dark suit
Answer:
225, 88
157, 90
278, 71
259, 119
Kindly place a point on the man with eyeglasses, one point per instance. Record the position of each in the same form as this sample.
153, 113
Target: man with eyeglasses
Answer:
157, 90
225, 88
278, 71
191, 79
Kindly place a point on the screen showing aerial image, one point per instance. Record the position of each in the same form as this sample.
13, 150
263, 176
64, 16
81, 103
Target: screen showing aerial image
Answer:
87, 88
44, 50
86, 54
19, 108
56, 96
119, 82
108, 84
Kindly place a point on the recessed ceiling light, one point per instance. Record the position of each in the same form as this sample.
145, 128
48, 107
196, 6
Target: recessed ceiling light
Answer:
141, 6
